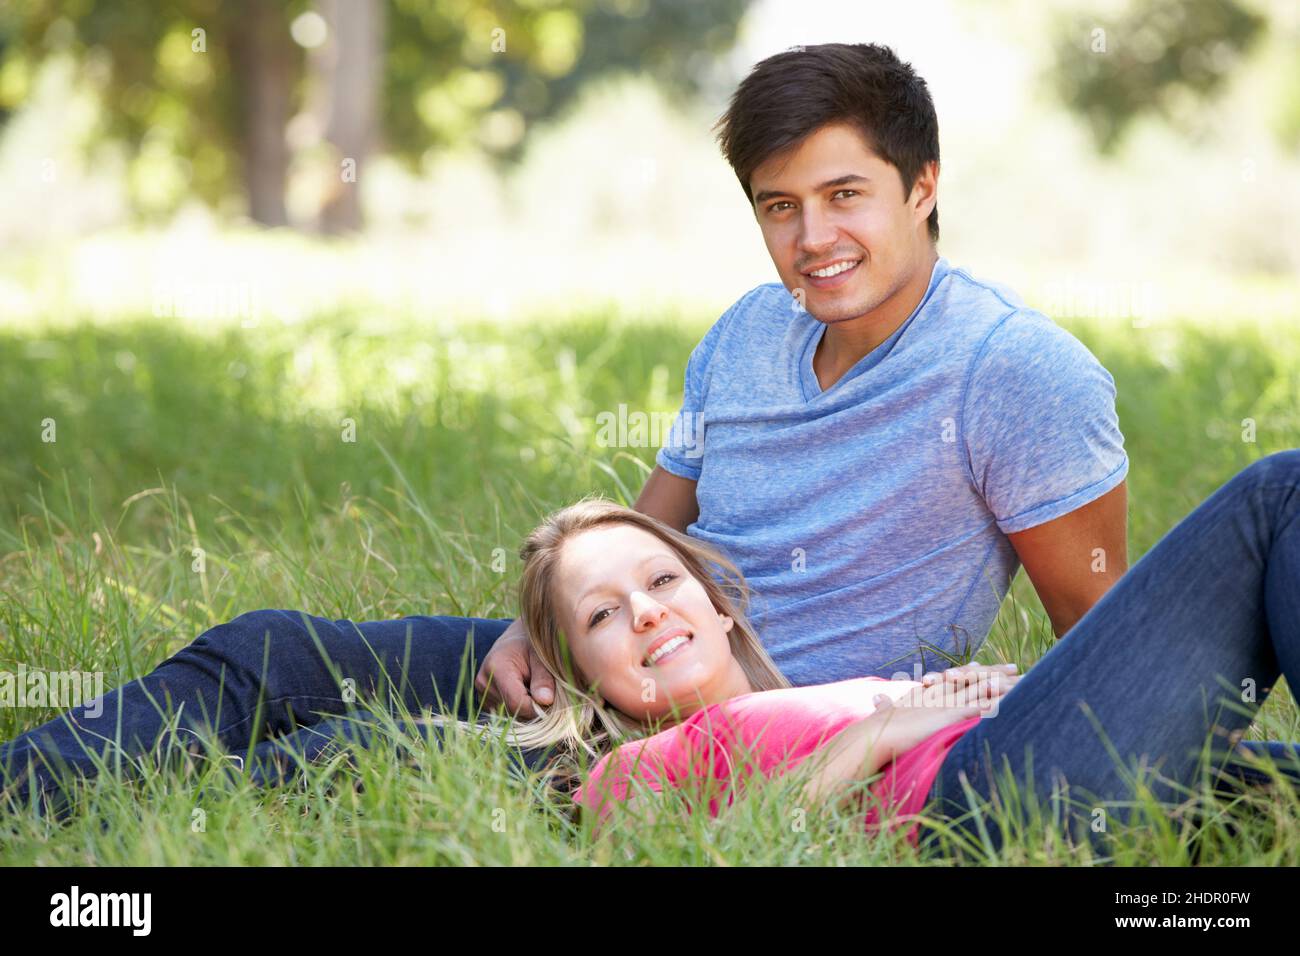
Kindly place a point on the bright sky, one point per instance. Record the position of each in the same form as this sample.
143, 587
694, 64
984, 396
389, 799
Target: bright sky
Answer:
976, 70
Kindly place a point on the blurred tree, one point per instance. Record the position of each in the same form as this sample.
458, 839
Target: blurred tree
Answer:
1156, 54
348, 71
207, 88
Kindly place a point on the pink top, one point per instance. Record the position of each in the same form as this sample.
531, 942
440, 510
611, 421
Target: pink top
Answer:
778, 728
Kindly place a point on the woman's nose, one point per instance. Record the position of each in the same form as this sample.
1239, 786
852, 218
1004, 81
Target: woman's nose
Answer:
647, 610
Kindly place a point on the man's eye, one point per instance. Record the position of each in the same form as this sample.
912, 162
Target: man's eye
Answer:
776, 205
597, 617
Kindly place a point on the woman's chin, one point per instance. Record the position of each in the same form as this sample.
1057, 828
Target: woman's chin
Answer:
684, 694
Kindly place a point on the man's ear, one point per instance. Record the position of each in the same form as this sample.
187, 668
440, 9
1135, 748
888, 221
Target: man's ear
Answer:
927, 186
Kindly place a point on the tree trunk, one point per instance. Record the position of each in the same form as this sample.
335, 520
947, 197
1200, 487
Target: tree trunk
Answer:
263, 57
349, 67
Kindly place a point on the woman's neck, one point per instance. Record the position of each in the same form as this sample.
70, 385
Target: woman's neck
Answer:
733, 683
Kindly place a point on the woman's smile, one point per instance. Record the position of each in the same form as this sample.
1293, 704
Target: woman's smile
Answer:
667, 645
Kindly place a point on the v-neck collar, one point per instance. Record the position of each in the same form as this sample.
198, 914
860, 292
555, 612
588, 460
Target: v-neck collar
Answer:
812, 389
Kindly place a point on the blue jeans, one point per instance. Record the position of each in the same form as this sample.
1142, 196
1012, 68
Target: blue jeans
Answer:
1180, 652
263, 683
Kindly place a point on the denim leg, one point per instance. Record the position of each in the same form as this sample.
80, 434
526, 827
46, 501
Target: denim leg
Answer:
1181, 651
279, 759
264, 672
1240, 773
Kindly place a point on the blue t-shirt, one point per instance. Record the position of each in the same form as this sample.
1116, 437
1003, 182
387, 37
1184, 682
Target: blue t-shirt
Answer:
870, 519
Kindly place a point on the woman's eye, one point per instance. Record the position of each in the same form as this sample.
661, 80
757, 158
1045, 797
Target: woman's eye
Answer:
598, 616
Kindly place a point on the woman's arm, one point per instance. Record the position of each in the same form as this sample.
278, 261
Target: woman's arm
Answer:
853, 755
867, 745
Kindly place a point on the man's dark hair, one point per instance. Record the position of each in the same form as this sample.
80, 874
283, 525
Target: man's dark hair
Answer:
792, 94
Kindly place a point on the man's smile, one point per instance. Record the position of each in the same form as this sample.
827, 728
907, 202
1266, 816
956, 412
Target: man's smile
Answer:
834, 276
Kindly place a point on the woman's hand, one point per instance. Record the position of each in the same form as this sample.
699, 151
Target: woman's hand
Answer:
937, 701
903, 718
964, 673
1000, 676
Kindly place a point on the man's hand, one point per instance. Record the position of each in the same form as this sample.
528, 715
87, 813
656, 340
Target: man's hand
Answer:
513, 675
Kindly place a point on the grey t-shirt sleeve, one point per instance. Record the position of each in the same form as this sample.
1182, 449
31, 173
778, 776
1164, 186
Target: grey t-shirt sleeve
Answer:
682, 453
1039, 422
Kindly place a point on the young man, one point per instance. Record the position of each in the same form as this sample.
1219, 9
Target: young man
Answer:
888, 438
885, 446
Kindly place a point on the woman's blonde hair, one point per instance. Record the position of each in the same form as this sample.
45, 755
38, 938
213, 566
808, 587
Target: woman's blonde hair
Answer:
579, 727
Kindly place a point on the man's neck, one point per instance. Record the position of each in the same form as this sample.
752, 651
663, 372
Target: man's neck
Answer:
846, 342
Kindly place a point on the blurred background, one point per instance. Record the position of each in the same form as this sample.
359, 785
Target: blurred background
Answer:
332, 291
1121, 157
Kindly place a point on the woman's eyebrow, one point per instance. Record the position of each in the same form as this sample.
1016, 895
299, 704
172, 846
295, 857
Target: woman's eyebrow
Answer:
640, 564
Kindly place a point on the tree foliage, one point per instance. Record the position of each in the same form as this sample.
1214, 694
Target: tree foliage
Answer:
1149, 60
454, 71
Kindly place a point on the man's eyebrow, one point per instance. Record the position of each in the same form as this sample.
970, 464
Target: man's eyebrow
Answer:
767, 194
640, 564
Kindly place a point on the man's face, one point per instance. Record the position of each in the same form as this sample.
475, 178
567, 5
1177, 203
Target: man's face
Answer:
866, 220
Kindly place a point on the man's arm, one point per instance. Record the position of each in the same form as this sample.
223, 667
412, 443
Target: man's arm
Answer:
1074, 559
669, 498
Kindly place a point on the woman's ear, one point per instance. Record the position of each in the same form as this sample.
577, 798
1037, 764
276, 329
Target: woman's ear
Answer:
726, 622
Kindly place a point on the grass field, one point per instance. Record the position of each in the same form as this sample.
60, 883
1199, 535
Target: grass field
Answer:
232, 441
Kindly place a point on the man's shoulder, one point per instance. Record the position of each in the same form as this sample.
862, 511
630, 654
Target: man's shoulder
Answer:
771, 301
1005, 327
994, 295
1024, 363
1029, 341
761, 313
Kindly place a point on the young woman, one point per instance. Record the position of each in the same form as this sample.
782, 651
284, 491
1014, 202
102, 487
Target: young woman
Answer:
645, 627
645, 630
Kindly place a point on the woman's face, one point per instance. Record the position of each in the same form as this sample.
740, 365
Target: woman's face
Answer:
640, 627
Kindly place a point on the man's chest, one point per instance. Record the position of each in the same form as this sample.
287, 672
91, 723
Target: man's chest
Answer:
900, 453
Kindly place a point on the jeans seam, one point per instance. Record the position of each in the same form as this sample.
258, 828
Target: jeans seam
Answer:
1278, 532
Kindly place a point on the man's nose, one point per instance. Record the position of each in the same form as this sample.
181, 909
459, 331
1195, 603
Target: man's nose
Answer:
817, 234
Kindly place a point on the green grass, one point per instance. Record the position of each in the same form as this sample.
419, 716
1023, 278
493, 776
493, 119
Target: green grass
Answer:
231, 442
